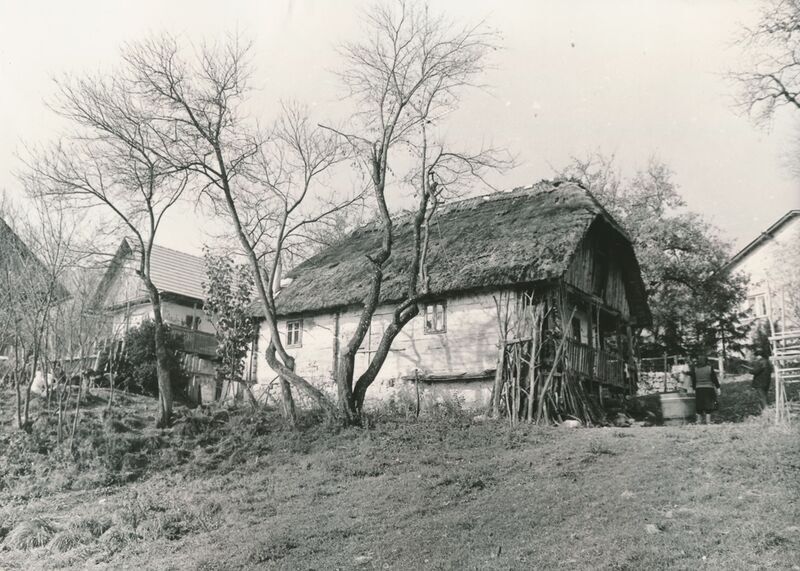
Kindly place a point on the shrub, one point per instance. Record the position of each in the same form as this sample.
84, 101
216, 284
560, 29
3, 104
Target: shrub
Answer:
137, 369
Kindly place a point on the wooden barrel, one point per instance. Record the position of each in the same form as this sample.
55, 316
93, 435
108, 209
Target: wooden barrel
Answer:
677, 408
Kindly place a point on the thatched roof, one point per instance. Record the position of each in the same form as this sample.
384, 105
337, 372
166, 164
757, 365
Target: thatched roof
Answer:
526, 235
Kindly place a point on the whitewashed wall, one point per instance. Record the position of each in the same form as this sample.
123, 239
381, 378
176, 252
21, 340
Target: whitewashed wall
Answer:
469, 345
127, 286
774, 265
173, 314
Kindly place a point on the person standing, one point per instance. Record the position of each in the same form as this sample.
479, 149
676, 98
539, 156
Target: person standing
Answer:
762, 376
706, 388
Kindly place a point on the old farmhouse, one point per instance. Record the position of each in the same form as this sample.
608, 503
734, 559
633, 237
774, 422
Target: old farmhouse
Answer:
122, 301
492, 259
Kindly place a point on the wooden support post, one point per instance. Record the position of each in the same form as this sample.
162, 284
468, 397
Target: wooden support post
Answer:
590, 341
632, 364
416, 390
498, 379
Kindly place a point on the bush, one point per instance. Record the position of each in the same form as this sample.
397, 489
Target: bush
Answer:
137, 369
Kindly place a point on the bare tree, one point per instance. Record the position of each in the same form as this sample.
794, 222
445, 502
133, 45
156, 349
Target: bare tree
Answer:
265, 183
404, 76
32, 265
108, 161
774, 44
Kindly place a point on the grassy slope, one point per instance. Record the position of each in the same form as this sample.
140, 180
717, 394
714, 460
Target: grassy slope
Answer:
449, 494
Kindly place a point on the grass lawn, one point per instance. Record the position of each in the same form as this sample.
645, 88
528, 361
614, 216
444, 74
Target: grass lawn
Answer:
241, 492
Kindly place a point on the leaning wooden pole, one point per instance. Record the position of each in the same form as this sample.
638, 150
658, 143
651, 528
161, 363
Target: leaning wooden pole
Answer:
556, 359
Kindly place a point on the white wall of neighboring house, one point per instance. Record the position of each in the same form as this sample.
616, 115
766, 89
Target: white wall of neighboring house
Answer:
773, 267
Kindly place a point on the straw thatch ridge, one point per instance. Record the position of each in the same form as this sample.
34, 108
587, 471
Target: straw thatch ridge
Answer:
522, 236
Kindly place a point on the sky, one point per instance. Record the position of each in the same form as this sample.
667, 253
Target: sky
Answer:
636, 79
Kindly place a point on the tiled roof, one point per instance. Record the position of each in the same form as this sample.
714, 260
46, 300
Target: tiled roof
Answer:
172, 271
177, 272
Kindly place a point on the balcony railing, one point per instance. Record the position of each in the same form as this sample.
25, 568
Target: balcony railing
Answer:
595, 364
196, 342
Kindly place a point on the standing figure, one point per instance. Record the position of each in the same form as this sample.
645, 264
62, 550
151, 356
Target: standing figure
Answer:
706, 388
762, 376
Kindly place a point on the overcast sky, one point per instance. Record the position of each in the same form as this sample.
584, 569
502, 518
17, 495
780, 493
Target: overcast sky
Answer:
633, 78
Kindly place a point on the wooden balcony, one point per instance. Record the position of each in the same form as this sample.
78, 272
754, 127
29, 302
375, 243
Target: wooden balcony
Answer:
594, 364
196, 342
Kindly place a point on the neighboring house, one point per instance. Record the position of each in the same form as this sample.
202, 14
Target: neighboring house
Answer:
552, 239
122, 300
772, 264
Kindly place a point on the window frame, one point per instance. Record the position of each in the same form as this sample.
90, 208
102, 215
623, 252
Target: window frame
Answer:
434, 304
577, 329
756, 302
298, 331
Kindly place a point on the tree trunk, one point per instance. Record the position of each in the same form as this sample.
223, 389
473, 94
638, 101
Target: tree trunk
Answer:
287, 402
28, 387
287, 374
77, 416
344, 389
162, 360
18, 391
403, 314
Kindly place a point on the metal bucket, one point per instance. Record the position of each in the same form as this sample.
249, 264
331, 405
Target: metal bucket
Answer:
677, 408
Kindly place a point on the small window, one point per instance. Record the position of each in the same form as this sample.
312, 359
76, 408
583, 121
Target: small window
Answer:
192, 322
435, 317
576, 329
294, 333
757, 305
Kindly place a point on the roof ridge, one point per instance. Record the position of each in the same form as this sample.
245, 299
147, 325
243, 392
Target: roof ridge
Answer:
544, 185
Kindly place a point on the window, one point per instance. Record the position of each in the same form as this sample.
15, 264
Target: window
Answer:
435, 317
294, 333
192, 322
757, 305
576, 329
